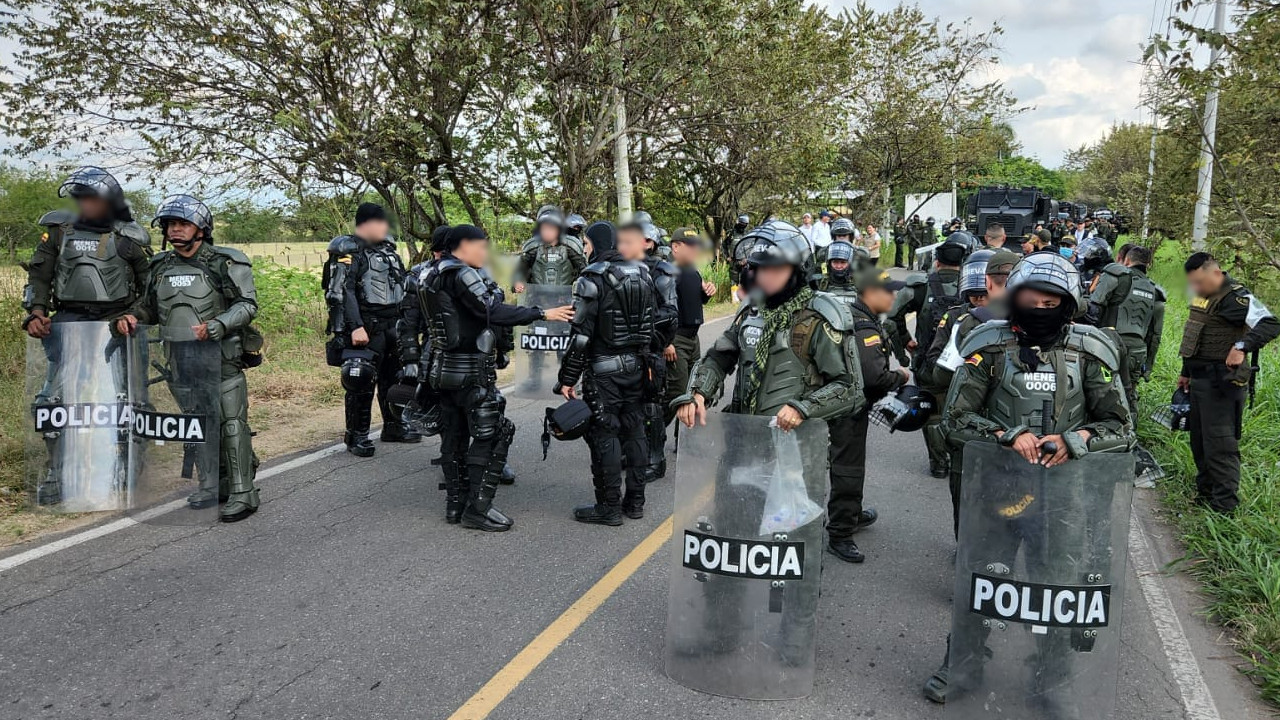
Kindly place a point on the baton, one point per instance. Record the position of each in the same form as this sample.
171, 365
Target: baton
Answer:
1046, 428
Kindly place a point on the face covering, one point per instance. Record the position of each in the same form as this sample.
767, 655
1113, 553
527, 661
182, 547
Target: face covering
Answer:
1037, 327
1065, 252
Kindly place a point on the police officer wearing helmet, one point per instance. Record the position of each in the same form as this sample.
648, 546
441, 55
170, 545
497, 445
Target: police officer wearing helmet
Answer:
737, 260
551, 256
574, 225
465, 310
412, 338
666, 279
1226, 325
930, 297
982, 284
842, 230
790, 345
842, 265
364, 286
91, 264
848, 455
1037, 384
612, 338
200, 287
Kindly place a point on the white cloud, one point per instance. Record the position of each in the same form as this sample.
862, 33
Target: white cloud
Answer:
1072, 64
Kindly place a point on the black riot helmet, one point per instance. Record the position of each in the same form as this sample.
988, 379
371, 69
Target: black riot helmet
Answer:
1094, 254
569, 421
954, 249
906, 410
742, 223
840, 250
93, 181
973, 275
188, 208
1177, 414
575, 224
1047, 272
779, 243
550, 214
842, 228
642, 217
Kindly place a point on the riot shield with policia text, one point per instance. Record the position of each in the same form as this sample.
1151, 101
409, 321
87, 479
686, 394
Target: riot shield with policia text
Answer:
540, 345
174, 450
1040, 572
746, 557
115, 428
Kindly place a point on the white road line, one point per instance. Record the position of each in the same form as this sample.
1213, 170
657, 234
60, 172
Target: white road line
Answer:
1196, 698
94, 533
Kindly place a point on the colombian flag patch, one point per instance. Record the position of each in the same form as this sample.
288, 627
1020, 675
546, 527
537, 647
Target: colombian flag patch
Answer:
974, 360
871, 340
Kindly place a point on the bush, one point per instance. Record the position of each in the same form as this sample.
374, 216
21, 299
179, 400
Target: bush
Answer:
1238, 557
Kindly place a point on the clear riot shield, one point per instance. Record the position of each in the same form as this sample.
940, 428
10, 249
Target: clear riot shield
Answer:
540, 346
1039, 590
77, 439
746, 557
174, 383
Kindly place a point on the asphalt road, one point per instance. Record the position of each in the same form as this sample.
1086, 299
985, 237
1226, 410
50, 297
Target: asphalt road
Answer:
347, 596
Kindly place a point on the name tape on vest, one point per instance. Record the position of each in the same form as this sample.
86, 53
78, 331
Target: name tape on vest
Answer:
1067, 606
753, 559
142, 423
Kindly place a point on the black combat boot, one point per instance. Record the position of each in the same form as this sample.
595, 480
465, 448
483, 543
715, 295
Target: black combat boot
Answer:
359, 413
480, 514
607, 509
455, 491
845, 549
508, 475
866, 519
395, 432
633, 500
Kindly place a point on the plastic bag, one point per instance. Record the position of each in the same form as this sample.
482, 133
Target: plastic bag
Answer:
787, 505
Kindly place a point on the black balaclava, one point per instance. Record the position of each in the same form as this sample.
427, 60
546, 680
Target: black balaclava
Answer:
1039, 327
604, 241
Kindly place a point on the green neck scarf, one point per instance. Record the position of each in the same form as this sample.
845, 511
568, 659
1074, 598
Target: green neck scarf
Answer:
775, 320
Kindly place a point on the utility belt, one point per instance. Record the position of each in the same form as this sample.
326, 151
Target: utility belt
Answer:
90, 312
1218, 373
455, 371
688, 332
376, 317
605, 365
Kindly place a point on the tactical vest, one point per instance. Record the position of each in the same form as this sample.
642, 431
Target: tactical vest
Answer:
90, 269
185, 295
627, 308
941, 297
448, 330
1133, 316
382, 283
551, 266
786, 375
1208, 336
845, 291
1021, 395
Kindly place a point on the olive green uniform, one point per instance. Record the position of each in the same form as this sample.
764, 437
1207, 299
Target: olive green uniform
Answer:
87, 273
1127, 300
1232, 317
215, 286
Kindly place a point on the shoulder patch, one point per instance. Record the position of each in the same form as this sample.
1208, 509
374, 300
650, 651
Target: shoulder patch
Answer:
871, 340
974, 360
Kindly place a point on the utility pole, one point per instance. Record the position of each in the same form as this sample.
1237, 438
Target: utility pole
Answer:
621, 151
1151, 176
1209, 133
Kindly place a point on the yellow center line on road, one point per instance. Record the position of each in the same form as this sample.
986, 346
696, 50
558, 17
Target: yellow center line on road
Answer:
501, 685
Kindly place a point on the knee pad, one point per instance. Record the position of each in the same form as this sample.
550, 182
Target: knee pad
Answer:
359, 375
485, 410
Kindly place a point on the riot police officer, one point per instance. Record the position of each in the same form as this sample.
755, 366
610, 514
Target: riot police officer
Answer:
551, 256
930, 297
1227, 323
899, 239
365, 285
666, 279
1037, 384
208, 289
90, 265
1124, 298
982, 284
736, 257
413, 342
841, 265
464, 308
615, 308
848, 455
574, 225
786, 326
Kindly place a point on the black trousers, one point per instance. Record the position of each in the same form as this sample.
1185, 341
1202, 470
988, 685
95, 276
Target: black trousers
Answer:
848, 457
617, 435
1217, 411
386, 358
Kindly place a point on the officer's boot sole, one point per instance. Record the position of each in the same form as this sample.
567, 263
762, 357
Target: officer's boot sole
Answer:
238, 516
472, 521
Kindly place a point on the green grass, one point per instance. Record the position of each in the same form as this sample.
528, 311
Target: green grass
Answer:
1236, 558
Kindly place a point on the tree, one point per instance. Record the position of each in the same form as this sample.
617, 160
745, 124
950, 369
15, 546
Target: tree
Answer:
917, 112
24, 197
1018, 171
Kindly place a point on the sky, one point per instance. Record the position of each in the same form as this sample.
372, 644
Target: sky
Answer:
1073, 64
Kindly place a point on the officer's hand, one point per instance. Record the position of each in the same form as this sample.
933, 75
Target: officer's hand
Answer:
567, 392
1184, 383
409, 372
1235, 358
696, 411
201, 331
359, 337
788, 418
1056, 458
564, 313
912, 345
1028, 446
519, 287
40, 326
126, 324
708, 288
669, 354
